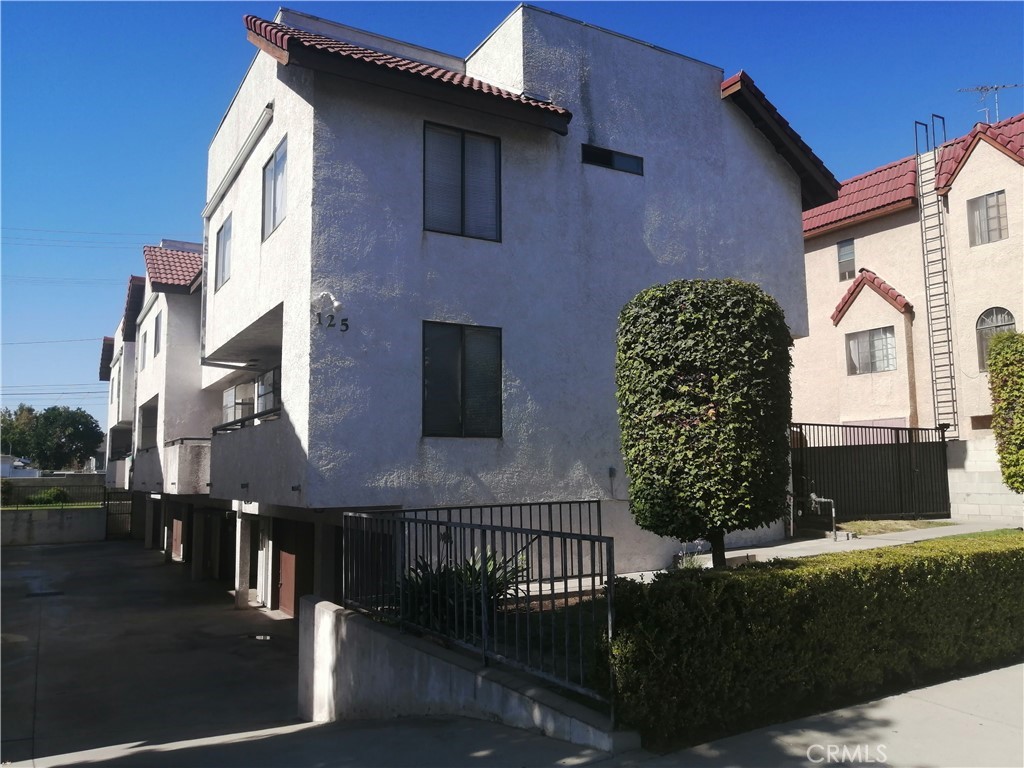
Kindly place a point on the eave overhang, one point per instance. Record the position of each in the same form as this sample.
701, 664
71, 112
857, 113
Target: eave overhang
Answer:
871, 280
885, 210
106, 357
288, 48
817, 184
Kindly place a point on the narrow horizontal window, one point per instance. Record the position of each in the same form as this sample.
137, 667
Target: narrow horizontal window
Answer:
609, 158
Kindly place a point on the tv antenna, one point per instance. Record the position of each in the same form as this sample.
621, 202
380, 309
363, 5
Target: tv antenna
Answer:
985, 90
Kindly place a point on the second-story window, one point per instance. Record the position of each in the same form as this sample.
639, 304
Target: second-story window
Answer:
274, 188
847, 266
871, 351
142, 353
461, 183
223, 264
461, 380
268, 390
987, 218
157, 328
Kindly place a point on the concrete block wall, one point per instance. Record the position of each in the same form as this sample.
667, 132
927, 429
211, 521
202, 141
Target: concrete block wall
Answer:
351, 667
976, 490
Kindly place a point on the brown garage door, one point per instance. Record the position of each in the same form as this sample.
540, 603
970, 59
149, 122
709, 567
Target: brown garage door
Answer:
295, 562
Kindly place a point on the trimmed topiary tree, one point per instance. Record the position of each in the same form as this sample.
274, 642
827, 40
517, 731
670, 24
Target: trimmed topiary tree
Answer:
702, 371
1006, 381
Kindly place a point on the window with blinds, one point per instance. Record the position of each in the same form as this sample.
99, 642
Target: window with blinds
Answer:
461, 380
847, 262
461, 183
987, 218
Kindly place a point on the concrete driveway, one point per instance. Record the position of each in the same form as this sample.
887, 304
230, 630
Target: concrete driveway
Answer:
112, 657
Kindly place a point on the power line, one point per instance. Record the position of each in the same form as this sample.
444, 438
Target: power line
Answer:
59, 280
47, 245
53, 341
81, 232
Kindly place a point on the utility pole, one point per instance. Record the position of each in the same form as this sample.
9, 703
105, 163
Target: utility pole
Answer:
984, 90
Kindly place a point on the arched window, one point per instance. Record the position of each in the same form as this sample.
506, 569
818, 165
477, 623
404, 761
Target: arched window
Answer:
992, 321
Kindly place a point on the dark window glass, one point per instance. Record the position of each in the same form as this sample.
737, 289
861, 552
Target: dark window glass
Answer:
609, 158
461, 380
461, 183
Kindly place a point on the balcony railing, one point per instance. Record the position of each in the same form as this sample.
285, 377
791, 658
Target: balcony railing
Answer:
247, 421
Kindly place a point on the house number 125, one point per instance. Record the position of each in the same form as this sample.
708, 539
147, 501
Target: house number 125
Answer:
329, 321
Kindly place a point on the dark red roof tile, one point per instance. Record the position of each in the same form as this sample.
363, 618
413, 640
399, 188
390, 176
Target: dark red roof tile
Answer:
1008, 135
879, 286
881, 189
169, 267
287, 38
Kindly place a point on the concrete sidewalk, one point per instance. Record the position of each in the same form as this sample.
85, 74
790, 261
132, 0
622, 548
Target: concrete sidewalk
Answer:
111, 657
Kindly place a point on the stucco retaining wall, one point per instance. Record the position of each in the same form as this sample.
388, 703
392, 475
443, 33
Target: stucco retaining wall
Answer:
351, 667
20, 527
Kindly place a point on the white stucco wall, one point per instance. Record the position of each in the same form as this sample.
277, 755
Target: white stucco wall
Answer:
578, 241
264, 274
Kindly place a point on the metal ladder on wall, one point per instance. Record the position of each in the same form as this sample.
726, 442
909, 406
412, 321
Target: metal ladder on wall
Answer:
936, 276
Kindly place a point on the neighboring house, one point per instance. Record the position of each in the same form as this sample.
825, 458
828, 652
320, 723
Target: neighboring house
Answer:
416, 262
117, 366
909, 273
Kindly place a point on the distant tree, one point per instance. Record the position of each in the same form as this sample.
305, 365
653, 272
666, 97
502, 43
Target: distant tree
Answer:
17, 429
64, 437
1006, 381
702, 371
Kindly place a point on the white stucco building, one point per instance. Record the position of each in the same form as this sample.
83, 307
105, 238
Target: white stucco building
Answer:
415, 264
909, 273
117, 367
159, 418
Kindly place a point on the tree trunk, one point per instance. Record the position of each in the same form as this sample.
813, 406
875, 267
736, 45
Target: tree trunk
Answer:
717, 541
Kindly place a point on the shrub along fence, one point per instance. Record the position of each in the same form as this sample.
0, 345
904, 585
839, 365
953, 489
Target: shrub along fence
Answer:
699, 655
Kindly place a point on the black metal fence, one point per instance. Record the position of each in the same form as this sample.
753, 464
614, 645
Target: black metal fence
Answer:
529, 596
119, 513
55, 497
870, 472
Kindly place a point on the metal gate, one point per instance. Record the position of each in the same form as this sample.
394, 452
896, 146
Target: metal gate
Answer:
118, 504
870, 472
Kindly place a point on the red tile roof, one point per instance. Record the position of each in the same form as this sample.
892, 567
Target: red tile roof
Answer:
1007, 136
883, 190
169, 268
893, 187
879, 286
817, 184
290, 39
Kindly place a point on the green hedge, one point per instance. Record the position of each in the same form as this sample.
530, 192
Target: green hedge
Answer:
699, 655
1006, 380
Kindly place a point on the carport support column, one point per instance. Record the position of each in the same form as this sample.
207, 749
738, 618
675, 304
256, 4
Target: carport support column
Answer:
198, 544
243, 540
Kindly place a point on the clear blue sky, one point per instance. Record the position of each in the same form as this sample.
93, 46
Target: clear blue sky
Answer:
108, 109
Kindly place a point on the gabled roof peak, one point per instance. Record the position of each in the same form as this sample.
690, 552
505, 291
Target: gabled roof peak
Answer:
868, 278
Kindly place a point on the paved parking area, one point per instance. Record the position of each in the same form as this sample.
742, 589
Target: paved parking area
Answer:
112, 657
